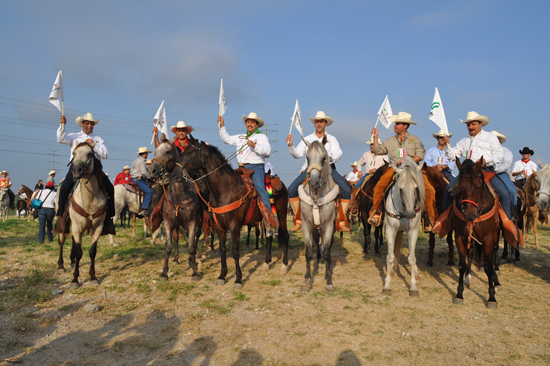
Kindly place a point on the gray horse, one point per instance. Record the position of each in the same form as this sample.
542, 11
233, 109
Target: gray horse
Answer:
318, 211
543, 177
4, 204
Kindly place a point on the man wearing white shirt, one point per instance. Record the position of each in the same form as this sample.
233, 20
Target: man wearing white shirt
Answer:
354, 176
437, 158
252, 149
503, 168
524, 168
87, 124
372, 162
321, 121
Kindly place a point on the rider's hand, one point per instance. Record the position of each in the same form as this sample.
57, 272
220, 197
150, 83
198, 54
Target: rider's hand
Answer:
375, 133
220, 121
372, 171
89, 141
439, 167
62, 120
251, 144
155, 131
400, 161
289, 140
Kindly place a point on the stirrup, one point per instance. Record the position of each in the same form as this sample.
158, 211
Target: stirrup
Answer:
375, 219
297, 225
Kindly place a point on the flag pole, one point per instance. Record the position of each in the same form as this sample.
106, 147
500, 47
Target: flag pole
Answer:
153, 138
62, 103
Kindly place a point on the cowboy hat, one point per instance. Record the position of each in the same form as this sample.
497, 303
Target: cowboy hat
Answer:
2, 172
86, 117
525, 150
52, 172
353, 164
181, 124
255, 117
143, 150
402, 117
149, 161
501, 137
441, 133
126, 167
474, 116
370, 142
322, 115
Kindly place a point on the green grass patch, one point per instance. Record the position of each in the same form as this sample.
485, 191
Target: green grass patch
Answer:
213, 305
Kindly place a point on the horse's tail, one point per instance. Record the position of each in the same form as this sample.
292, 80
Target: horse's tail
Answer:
478, 247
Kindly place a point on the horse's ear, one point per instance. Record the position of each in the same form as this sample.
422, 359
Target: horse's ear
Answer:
424, 167
308, 144
163, 138
324, 140
539, 163
458, 164
479, 164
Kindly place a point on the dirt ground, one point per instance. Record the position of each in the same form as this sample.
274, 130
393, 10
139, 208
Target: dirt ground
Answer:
144, 321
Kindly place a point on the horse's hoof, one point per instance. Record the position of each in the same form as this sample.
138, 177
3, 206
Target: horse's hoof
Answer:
450, 263
163, 278
74, 285
60, 270
503, 261
414, 293
386, 291
196, 278
237, 286
330, 288
220, 282
94, 283
265, 266
492, 305
305, 288
284, 270
175, 261
497, 272
517, 262
430, 264
458, 301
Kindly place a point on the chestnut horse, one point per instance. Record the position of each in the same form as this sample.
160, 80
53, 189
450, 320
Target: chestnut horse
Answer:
532, 208
475, 221
29, 194
229, 204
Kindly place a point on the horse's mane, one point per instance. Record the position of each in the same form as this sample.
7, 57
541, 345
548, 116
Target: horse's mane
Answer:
468, 169
318, 148
98, 166
531, 184
409, 173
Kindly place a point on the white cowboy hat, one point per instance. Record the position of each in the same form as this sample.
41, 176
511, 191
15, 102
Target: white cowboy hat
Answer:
255, 117
322, 115
354, 164
500, 136
441, 133
402, 117
86, 117
149, 161
181, 124
126, 167
370, 142
143, 150
52, 172
474, 116
2, 172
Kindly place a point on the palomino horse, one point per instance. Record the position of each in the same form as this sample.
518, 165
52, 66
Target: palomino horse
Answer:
404, 206
29, 194
318, 211
532, 208
440, 182
4, 203
475, 220
231, 205
364, 204
87, 209
180, 204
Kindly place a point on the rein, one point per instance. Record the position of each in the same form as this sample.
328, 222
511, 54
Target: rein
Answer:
79, 210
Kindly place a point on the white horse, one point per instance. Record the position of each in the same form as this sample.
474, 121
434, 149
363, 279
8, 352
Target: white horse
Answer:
4, 203
404, 206
543, 177
318, 211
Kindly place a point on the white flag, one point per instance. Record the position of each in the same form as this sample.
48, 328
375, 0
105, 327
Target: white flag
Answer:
56, 96
160, 120
297, 119
221, 101
384, 113
437, 114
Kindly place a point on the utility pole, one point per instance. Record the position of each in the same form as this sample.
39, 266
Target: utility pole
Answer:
53, 158
272, 141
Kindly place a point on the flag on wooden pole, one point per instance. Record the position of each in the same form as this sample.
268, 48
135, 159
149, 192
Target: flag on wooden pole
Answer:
297, 119
56, 95
437, 114
160, 121
222, 102
384, 113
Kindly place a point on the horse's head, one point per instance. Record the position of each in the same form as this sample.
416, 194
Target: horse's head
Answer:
83, 160
543, 179
409, 190
470, 180
318, 166
166, 155
436, 178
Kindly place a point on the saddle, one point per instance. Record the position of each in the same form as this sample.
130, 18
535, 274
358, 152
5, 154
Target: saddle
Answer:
134, 188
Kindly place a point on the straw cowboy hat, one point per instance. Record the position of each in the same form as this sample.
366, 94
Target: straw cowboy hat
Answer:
500, 136
255, 117
353, 164
370, 142
126, 167
2, 172
322, 115
149, 161
181, 124
52, 172
143, 150
441, 133
402, 117
526, 150
86, 117
474, 116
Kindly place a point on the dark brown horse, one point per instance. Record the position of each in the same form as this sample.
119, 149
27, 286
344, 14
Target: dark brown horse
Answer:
364, 204
475, 221
28, 193
439, 181
507, 248
229, 204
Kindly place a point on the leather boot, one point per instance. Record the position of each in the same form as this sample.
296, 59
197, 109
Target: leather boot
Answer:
295, 203
108, 226
376, 218
60, 225
343, 224
510, 230
442, 225
269, 216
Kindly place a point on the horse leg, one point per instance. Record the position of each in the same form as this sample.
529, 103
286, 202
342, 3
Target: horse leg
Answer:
167, 248
61, 242
308, 282
134, 226
390, 258
451, 258
78, 256
268, 247
491, 275
316, 240
175, 246
192, 239
366, 233
283, 240
413, 237
235, 237
93, 251
326, 246
258, 237
223, 257
431, 242
459, 299
248, 236
535, 228
496, 261
72, 254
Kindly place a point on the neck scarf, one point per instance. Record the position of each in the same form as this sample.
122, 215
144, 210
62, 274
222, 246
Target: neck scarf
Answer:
526, 161
248, 134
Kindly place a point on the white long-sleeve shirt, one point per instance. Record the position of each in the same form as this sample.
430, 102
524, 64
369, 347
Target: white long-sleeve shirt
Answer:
332, 146
529, 168
73, 139
483, 144
247, 154
506, 163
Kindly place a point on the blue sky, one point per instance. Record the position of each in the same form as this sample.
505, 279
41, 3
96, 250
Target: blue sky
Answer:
120, 59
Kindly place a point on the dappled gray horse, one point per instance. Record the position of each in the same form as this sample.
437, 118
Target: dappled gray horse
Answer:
4, 203
404, 206
318, 210
543, 176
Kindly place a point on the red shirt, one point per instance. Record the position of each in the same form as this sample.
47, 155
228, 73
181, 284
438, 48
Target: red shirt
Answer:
177, 144
122, 178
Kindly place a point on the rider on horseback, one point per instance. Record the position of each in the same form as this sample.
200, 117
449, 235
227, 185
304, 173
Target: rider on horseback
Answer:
397, 147
371, 161
435, 156
321, 121
6, 184
252, 149
140, 176
87, 124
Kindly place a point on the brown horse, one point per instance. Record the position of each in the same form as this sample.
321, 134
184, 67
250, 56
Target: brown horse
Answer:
475, 220
520, 213
230, 201
28, 192
364, 204
532, 209
439, 181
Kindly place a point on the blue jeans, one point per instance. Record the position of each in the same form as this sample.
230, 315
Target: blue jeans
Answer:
259, 182
148, 192
504, 190
358, 184
45, 216
447, 173
345, 190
